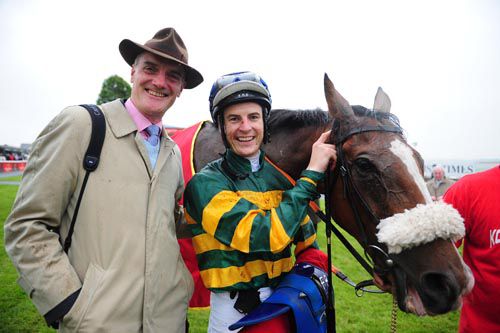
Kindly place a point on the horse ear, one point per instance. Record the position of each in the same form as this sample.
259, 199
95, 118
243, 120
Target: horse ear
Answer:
338, 106
382, 101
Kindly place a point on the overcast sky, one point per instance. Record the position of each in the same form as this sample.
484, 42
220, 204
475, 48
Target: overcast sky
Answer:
439, 61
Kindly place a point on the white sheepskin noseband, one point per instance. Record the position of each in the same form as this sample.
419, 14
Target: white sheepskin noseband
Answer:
420, 225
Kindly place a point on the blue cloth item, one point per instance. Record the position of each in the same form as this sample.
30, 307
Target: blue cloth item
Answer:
154, 134
303, 291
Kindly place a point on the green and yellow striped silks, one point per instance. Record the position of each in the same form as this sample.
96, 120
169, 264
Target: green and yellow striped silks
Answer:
243, 229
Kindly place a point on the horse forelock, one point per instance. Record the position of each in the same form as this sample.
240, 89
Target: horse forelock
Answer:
384, 118
364, 119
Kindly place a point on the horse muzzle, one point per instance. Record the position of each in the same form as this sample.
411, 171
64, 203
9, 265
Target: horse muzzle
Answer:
435, 294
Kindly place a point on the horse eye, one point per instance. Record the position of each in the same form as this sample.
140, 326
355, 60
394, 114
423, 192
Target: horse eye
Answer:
364, 165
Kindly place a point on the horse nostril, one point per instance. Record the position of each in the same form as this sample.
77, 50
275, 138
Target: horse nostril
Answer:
438, 292
434, 281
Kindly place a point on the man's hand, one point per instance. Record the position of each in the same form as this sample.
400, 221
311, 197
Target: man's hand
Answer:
322, 153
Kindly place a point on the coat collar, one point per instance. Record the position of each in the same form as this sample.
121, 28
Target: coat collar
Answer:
121, 125
120, 122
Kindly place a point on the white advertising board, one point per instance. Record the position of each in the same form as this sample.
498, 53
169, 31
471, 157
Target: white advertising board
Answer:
455, 169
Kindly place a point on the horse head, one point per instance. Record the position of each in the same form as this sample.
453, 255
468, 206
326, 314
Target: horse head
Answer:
378, 195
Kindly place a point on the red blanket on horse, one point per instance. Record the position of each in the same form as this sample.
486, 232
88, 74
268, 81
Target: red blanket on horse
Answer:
185, 140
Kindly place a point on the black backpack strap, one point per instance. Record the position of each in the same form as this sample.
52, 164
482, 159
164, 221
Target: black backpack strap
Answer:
90, 160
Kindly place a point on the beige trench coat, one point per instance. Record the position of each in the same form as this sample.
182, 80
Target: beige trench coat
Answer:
124, 254
439, 191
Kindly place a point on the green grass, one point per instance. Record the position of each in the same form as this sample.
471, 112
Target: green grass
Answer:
369, 313
11, 179
17, 313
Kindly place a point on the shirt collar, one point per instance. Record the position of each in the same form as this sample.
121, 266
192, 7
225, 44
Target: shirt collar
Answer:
140, 121
241, 164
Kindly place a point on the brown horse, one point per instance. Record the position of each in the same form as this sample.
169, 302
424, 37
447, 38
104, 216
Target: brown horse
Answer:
376, 191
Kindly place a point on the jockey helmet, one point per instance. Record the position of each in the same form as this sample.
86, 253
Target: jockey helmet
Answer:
236, 88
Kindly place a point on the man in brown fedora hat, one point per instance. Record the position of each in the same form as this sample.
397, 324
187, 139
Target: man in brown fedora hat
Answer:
123, 271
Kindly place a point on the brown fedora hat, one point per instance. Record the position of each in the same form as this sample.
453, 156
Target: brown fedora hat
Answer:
167, 44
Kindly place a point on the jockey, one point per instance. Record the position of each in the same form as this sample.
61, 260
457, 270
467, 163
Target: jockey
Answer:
245, 215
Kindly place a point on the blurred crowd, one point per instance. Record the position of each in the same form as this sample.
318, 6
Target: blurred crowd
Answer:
13, 156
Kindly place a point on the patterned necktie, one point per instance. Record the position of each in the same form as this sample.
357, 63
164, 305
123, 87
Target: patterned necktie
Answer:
154, 134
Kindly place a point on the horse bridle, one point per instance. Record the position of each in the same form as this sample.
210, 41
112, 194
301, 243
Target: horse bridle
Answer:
351, 192
353, 196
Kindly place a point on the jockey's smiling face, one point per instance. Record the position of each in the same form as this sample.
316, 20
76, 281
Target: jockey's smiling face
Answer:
244, 128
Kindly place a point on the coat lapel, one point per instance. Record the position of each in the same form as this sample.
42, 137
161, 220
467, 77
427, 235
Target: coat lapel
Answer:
122, 125
166, 148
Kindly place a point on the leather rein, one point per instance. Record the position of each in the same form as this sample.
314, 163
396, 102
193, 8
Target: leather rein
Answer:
352, 194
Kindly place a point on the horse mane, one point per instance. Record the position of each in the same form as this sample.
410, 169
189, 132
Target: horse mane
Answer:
294, 119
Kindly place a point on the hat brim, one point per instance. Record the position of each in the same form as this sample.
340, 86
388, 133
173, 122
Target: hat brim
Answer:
130, 50
263, 312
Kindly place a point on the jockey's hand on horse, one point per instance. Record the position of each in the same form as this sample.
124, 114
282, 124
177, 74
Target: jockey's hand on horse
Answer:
322, 153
